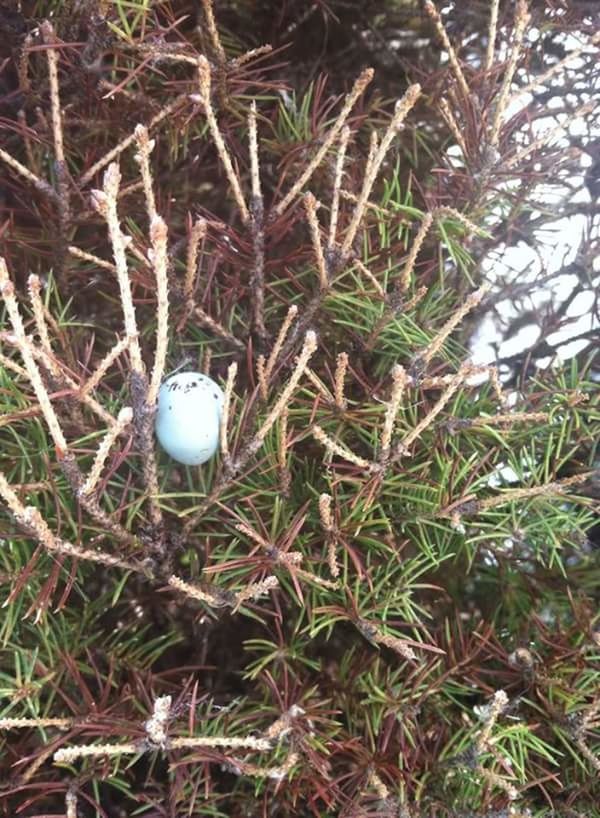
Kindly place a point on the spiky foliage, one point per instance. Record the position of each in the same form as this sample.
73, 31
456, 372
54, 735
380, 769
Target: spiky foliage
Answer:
380, 598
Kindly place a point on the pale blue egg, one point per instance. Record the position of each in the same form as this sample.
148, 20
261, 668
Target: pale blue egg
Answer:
188, 417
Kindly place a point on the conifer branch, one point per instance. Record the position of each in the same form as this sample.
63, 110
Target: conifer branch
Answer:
357, 91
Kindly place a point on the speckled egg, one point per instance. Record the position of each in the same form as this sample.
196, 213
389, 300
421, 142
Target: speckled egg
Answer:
188, 417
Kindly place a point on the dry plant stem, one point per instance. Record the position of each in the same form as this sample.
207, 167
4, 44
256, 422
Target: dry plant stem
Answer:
68, 464
254, 591
492, 30
553, 70
23, 65
64, 207
453, 126
35, 286
311, 206
30, 519
227, 477
357, 90
415, 248
339, 381
333, 447
65, 380
99, 262
158, 238
142, 157
26, 723
8, 293
209, 597
106, 203
398, 387
231, 376
124, 419
374, 634
545, 490
546, 137
434, 347
67, 755
439, 26
348, 196
205, 320
211, 25
453, 384
39, 184
57, 133
328, 525
522, 18
277, 772
496, 707
205, 360
319, 385
426, 224
282, 451
510, 419
129, 140
266, 370
337, 186
204, 82
494, 379
588, 721
197, 234
259, 51
257, 228
308, 349
394, 306
105, 364
369, 276
8, 363
402, 109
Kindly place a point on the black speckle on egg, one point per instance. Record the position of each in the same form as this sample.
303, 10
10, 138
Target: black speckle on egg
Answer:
170, 407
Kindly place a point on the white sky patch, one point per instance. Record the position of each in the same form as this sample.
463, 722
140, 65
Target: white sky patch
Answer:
542, 254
